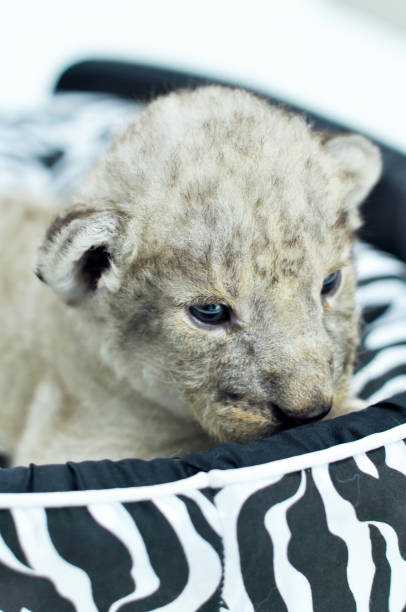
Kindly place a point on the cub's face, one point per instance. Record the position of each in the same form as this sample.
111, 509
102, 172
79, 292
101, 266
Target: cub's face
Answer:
212, 251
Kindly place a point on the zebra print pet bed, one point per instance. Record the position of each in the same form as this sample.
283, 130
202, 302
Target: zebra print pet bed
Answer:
312, 519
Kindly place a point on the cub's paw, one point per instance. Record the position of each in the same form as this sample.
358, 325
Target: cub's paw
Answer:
353, 404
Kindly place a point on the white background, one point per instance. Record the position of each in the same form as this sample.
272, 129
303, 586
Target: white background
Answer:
343, 62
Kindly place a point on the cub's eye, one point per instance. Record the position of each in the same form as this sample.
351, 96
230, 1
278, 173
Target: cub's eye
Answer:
331, 284
211, 313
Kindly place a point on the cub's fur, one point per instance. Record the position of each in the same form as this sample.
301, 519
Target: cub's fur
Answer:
209, 197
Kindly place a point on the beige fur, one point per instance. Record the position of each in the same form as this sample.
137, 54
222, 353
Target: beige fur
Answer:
210, 197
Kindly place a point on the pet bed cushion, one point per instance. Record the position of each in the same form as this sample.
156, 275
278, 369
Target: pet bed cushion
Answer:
310, 519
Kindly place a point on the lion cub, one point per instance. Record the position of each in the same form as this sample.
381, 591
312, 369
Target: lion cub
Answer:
200, 288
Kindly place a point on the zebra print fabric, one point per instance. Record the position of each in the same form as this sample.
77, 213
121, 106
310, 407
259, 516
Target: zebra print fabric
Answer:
48, 152
321, 527
328, 535
381, 297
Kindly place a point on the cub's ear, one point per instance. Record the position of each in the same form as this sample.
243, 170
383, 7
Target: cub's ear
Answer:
359, 162
77, 254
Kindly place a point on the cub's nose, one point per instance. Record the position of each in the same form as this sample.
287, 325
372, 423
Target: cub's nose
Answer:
303, 415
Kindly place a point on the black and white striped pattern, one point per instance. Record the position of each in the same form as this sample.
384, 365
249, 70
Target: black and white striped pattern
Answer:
321, 530
381, 297
48, 152
267, 537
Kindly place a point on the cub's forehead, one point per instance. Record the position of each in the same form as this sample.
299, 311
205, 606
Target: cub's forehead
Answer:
215, 144
220, 131
221, 170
